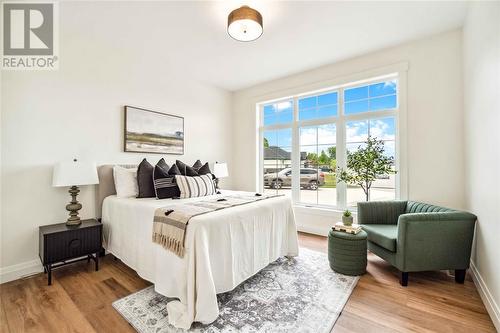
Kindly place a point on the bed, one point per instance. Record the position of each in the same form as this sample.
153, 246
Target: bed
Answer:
222, 248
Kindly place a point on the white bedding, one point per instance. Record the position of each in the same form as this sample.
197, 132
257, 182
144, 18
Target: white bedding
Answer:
223, 249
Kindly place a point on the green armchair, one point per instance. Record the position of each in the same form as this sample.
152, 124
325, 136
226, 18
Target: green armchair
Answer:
414, 236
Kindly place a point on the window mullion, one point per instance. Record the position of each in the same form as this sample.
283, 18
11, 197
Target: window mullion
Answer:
317, 166
260, 151
341, 151
295, 153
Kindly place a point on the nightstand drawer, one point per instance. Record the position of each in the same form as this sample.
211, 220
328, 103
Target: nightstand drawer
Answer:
71, 244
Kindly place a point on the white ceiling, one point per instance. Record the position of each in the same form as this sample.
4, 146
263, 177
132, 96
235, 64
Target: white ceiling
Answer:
191, 36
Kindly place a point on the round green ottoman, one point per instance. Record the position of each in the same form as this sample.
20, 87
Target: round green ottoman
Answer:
347, 252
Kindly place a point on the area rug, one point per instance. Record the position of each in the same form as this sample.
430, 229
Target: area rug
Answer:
290, 295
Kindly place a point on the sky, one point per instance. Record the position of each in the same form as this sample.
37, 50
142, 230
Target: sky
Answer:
374, 97
141, 121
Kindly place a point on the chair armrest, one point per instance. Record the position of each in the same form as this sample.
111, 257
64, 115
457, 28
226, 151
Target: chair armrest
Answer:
435, 241
439, 216
380, 212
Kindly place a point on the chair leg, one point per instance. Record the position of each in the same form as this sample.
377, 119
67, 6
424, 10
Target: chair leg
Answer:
460, 275
403, 279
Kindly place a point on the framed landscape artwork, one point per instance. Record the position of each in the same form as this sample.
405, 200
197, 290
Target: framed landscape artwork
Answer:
149, 131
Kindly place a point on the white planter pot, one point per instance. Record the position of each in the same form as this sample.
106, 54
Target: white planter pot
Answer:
347, 220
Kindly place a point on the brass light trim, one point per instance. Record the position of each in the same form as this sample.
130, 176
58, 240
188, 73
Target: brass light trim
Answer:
250, 31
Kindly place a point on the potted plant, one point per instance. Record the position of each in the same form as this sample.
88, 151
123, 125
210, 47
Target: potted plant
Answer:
347, 218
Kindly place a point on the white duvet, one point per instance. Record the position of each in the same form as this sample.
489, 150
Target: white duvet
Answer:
223, 249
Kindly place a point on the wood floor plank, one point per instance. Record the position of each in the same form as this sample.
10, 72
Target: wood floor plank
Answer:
93, 293
4, 326
354, 322
432, 302
80, 300
32, 306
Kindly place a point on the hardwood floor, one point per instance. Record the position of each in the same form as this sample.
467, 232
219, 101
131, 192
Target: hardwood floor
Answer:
79, 300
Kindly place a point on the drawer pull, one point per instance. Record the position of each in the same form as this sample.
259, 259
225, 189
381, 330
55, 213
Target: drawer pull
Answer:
75, 243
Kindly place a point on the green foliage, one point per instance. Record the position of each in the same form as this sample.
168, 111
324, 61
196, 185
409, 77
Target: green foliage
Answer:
330, 181
332, 152
323, 158
333, 164
365, 164
347, 213
313, 158
266, 143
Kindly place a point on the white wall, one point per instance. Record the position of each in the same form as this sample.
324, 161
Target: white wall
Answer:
434, 118
78, 111
482, 142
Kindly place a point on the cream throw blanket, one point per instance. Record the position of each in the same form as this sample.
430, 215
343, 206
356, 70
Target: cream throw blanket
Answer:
170, 222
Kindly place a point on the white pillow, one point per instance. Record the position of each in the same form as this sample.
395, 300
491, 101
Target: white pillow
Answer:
125, 182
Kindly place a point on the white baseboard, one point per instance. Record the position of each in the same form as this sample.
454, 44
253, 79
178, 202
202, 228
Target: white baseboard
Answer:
484, 292
19, 271
313, 230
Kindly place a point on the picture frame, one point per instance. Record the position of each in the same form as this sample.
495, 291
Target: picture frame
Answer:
148, 131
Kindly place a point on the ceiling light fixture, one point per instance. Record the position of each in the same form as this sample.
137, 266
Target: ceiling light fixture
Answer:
244, 24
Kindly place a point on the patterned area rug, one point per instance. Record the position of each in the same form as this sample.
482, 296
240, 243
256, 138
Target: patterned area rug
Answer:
290, 295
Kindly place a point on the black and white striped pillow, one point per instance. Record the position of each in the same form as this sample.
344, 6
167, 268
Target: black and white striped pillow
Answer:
164, 184
198, 186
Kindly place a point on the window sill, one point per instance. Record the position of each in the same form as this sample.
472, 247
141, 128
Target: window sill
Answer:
321, 211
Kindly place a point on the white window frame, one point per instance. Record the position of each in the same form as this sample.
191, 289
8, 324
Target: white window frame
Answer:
399, 114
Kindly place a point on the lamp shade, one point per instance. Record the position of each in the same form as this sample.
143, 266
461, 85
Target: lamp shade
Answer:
220, 170
74, 173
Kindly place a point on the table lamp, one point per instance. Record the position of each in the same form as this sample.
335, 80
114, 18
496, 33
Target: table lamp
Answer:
220, 171
74, 173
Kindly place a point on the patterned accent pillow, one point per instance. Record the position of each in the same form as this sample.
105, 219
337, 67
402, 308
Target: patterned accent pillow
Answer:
199, 186
165, 186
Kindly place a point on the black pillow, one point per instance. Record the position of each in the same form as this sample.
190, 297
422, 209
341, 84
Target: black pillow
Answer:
145, 180
163, 164
197, 165
174, 170
190, 171
204, 169
165, 185
182, 167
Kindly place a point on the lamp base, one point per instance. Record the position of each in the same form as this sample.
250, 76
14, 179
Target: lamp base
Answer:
73, 222
73, 207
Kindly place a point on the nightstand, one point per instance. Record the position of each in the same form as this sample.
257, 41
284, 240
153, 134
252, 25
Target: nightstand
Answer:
62, 245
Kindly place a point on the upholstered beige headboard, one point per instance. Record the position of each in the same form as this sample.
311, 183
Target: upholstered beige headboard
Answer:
106, 186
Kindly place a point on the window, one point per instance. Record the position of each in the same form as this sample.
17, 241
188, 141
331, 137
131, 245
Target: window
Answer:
384, 187
320, 106
278, 113
318, 161
378, 96
277, 160
305, 138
